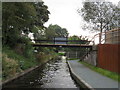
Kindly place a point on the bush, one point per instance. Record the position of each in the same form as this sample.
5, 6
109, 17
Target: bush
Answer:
28, 51
61, 54
9, 66
41, 57
24, 63
14, 63
24, 45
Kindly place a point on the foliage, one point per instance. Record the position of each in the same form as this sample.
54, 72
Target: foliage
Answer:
72, 59
42, 14
45, 55
42, 17
41, 57
100, 15
61, 53
82, 40
19, 19
10, 66
24, 63
104, 72
55, 31
13, 62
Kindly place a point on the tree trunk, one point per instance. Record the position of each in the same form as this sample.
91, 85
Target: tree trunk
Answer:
100, 35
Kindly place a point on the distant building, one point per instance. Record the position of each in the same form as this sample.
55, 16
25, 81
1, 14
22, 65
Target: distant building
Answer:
112, 36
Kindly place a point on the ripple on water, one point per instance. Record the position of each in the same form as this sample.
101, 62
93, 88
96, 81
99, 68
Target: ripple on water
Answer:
55, 74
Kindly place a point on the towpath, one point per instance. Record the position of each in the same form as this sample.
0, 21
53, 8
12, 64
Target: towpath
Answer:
92, 78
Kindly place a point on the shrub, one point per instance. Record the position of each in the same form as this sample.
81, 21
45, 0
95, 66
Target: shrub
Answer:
41, 57
9, 66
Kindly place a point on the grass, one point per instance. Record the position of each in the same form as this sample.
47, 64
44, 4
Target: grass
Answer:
24, 62
104, 72
13, 63
61, 54
72, 58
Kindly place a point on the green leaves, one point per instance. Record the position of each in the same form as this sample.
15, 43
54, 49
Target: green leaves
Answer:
101, 15
21, 18
55, 31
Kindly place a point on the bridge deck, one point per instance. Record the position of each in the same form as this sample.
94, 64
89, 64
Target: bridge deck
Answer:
62, 45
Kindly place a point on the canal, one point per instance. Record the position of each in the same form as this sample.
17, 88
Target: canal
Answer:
54, 74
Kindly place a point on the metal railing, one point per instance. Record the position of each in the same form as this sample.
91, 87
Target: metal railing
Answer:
61, 41
108, 37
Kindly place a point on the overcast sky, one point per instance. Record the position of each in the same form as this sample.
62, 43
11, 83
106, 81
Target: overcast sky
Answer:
64, 13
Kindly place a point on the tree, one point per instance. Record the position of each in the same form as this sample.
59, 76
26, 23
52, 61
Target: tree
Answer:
19, 19
42, 17
101, 15
42, 14
81, 39
15, 19
55, 31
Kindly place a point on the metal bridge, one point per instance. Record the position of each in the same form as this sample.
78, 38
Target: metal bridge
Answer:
109, 37
61, 43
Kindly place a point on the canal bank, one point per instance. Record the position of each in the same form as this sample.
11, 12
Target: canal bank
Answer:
4, 83
54, 74
90, 79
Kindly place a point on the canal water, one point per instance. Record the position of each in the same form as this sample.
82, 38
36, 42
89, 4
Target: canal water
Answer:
54, 74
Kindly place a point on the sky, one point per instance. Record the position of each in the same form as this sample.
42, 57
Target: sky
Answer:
64, 13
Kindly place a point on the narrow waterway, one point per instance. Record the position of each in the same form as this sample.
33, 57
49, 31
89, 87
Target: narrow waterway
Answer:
54, 74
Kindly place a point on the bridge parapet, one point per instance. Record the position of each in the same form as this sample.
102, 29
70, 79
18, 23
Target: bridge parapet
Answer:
61, 41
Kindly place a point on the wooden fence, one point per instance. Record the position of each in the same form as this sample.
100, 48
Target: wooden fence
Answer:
109, 57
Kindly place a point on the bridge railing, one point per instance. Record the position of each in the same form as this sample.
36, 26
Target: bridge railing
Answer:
61, 41
109, 37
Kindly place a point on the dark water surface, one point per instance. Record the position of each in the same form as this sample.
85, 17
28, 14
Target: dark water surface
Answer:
54, 74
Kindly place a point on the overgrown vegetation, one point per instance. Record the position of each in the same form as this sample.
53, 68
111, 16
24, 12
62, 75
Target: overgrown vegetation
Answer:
14, 62
61, 54
45, 54
72, 58
104, 72
19, 20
